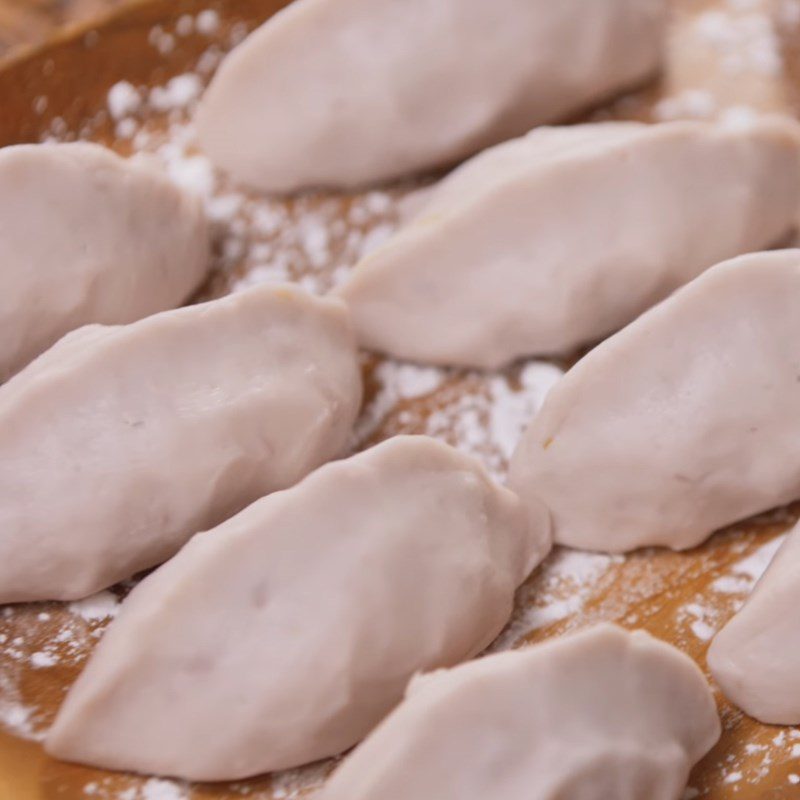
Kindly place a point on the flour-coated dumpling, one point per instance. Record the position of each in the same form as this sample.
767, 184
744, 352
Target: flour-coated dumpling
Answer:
680, 424
288, 632
87, 236
755, 658
119, 443
557, 239
341, 92
603, 714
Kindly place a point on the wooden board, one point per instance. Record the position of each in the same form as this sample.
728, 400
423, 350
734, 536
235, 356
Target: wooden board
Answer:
60, 91
28, 22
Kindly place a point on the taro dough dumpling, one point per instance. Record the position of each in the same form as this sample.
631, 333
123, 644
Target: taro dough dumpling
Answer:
288, 632
599, 715
755, 658
556, 240
343, 92
683, 422
119, 443
87, 236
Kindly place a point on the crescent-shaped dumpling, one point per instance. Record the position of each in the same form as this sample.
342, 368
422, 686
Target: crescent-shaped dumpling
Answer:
119, 443
87, 236
342, 92
755, 658
598, 715
557, 239
683, 422
288, 632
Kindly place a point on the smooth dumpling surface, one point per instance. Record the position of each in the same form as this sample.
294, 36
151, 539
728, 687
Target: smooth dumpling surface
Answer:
288, 632
595, 715
119, 443
680, 424
87, 236
341, 92
557, 239
755, 658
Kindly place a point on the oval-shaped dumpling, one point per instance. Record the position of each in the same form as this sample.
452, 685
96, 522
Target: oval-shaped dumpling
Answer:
680, 424
341, 92
557, 239
596, 715
119, 443
755, 658
87, 236
288, 632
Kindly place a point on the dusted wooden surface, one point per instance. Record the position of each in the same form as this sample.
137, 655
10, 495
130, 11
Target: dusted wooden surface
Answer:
24, 22
647, 590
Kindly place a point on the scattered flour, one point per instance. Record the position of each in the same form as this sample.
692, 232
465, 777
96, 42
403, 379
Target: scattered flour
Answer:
740, 39
193, 173
687, 104
110, 788
745, 40
482, 414
732, 584
179, 93
185, 25
512, 408
562, 586
42, 660
703, 620
157, 789
294, 783
124, 100
207, 22
754, 566
397, 381
16, 718
701, 104
163, 42
96, 607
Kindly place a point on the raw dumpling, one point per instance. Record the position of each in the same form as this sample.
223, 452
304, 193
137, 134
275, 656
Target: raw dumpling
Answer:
557, 239
86, 236
341, 92
119, 443
287, 633
755, 658
683, 422
597, 715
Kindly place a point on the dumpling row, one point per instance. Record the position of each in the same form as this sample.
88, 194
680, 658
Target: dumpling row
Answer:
87, 236
119, 443
680, 424
344, 92
192, 383
596, 715
295, 625
293, 628
392, 588
550, 242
